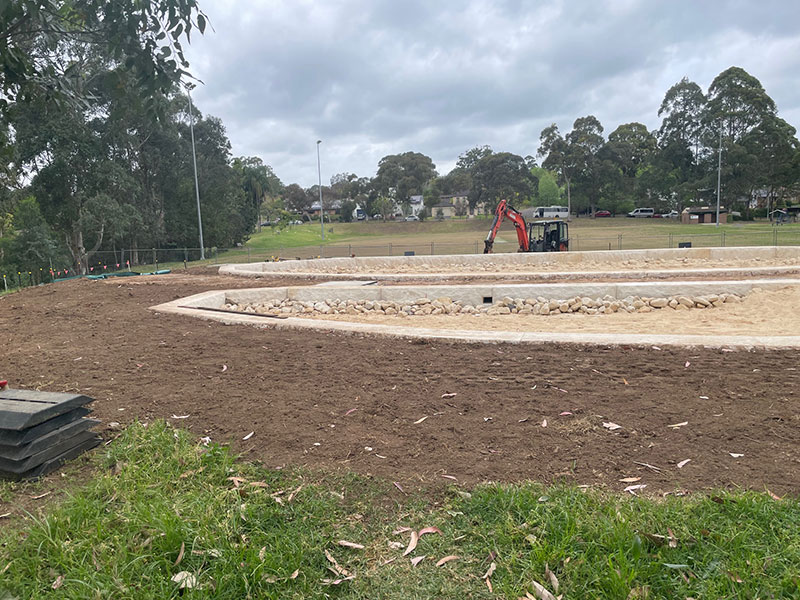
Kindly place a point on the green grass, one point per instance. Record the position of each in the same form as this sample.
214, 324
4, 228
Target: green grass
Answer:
158, 491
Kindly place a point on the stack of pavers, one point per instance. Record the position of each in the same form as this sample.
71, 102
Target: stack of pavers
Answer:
41, 430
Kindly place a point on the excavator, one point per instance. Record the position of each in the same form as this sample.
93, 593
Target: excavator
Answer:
539, 236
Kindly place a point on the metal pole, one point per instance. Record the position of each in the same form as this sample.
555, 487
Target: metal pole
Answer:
719, 170
196, 185
321, 211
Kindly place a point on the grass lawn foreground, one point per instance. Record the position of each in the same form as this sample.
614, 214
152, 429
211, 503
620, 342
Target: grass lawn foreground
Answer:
164, 516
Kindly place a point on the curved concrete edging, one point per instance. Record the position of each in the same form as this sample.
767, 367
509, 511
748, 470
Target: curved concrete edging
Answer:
193, 305
440, 266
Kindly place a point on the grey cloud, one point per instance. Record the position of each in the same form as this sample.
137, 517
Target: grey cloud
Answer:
375, 77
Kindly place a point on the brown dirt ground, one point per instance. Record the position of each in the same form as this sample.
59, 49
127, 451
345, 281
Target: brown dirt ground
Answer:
297, 391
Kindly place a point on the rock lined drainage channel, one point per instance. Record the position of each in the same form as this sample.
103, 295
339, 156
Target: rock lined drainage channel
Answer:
447, 306
214, 305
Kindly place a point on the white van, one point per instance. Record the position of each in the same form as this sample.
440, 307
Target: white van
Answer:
551, 212
642, 213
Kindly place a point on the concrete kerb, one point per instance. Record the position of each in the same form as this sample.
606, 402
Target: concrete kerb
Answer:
386, 267
217, 299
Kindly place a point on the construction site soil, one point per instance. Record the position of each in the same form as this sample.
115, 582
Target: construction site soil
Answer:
421, 413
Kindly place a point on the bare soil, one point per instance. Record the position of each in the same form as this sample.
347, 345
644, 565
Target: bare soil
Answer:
773, 312
320, 400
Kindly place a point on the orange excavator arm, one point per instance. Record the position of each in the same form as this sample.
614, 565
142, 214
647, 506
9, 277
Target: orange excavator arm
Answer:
504, 211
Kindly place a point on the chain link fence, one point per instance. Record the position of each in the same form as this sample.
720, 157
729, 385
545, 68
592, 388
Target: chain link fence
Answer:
154, 259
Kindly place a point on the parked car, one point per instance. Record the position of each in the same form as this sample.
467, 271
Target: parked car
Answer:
412, 218
673, 214
602, 213
642, 213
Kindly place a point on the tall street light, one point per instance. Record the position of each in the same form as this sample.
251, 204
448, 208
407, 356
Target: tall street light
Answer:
719, 170
196, 185
321, 212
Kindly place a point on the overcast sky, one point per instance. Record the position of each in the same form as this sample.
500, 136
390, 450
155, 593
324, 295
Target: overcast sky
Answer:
375, 77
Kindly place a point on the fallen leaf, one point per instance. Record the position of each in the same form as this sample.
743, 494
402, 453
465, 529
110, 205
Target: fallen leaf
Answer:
449, 395
40, 496
8, 514
237, 481
542, 592
387, 561
771, 495
399, 487
416, 560
347, 544
625, 381
180, 416
490, 571
735, 578
351, 411
412, 543
446, 559
687, 364
673, 541
294, 492
522, 420
489, 585
395, 545
676, 425
552, 577
180, 555
449, 477
683, 463
224, 368
566, 413
544, 423
262, 553
653, 467
633, 488
185, 580
338, 581
630, 479
418, 421
428, 530
58, 582
611, 426
735, 455
400, 530
337, 568
248, 436
294, 574
703, 397
259, 484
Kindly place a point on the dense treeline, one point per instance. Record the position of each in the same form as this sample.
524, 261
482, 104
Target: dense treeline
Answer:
95, 138
670, 168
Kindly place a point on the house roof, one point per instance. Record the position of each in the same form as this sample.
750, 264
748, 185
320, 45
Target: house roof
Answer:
444, 205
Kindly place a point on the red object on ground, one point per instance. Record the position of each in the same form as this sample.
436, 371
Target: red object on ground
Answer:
3, 384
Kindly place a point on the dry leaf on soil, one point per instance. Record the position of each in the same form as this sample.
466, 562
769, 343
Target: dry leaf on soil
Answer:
428, 530
418, 421
337, 568
676, 425
248, 436
630, 479
611, 426
449, 395
353, 545
446, 559
400, 530
294, 574
683, 463
58, 582
735, 455
416, 560
633, 488
544, 423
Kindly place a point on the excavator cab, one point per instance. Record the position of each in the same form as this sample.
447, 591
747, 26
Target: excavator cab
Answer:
548, 236
539, 236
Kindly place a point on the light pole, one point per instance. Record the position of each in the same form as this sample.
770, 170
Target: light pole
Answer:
196, 185
719, 170
321, 212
